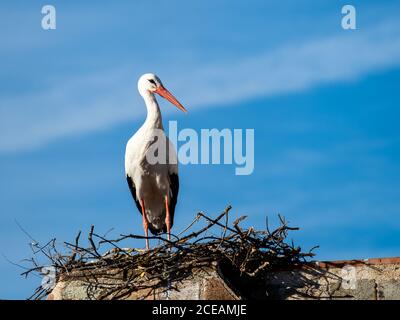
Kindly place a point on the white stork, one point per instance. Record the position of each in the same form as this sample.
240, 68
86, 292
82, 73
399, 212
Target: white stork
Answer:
154, 187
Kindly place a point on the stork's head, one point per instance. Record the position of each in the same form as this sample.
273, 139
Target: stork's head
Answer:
150, 83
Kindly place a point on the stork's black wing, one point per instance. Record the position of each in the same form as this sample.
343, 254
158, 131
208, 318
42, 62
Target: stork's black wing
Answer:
133, 192
174, 186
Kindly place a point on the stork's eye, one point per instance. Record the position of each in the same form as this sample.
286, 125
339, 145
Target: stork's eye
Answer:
152, 81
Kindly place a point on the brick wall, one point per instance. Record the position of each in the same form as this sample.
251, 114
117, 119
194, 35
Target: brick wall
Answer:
371, 279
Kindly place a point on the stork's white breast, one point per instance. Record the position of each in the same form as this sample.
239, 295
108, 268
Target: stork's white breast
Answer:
150, 180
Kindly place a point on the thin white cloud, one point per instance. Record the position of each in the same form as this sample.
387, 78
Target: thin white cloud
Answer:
93, 102
297, 67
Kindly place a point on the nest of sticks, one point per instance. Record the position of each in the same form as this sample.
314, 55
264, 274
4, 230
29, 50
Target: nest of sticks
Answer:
249, 252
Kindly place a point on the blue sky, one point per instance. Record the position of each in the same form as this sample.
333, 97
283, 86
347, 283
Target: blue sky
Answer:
323, 101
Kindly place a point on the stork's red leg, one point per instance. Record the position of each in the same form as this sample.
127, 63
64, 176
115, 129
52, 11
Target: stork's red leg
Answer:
167, 218
145, 223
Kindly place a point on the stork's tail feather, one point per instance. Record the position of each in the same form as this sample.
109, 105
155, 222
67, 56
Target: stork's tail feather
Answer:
156, 231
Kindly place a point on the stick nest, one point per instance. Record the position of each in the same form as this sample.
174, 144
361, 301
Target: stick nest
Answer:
248, 252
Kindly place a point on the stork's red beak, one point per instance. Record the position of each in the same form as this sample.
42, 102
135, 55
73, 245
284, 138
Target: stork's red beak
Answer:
168, 95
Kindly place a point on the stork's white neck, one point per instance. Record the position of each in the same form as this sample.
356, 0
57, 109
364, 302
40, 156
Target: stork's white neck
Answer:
153, 119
